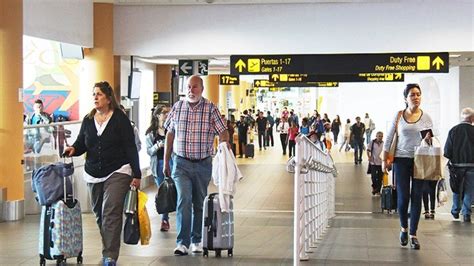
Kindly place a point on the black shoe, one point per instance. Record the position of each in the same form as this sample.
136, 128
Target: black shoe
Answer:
467, 218
432, 214
455, 215
403, 238
427, 215
414, 244
356, 162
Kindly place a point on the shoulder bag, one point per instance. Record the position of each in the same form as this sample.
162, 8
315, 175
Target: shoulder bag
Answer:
393, 146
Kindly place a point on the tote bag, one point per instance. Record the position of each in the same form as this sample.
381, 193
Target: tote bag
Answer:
166, 198
427, 164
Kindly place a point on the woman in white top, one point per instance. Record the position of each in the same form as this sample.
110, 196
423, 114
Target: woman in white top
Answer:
411, 121
347, 133
283, 129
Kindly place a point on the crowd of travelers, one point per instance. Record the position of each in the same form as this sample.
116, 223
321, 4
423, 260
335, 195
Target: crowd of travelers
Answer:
112, 164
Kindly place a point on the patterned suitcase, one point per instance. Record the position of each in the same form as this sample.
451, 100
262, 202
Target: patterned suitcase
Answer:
218, 227
60, 235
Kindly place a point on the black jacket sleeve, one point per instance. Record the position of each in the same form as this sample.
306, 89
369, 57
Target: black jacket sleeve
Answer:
80, 145
128, 142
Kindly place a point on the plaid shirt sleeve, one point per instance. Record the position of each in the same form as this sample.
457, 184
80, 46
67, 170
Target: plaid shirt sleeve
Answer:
218, 123
169, 124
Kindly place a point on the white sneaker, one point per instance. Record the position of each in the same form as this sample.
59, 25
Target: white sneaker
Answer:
181, 250
196, 247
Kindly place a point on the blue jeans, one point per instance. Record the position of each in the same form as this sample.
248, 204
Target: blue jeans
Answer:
368, 136
159, 179
358, 149
403, 170
464, 205
191, 179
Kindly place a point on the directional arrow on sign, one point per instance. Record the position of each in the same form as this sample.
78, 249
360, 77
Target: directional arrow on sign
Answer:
257, 83
438, 62
185, 68
240, 65
398, 76
275, 77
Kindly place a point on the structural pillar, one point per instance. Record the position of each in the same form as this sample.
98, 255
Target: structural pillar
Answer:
11, 108
211, 88
99, 60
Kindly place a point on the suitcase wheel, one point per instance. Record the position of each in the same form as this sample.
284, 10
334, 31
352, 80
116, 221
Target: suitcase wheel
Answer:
230, 253
42, 260
61, 262
205, 252
218, 253
79, 258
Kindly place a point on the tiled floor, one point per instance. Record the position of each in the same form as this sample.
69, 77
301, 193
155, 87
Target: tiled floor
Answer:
359, 234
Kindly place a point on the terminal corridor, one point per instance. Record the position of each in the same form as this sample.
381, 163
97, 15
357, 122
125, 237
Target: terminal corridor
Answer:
359, 234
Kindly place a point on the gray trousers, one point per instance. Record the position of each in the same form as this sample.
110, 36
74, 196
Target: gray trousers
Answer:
107, 199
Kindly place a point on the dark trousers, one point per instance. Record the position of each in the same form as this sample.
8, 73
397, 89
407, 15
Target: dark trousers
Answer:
377, 174
261, 139
429, 194
283, 138
358, 149
403, 170
335, 133
269, 137
107, 199
242, 143
291, 147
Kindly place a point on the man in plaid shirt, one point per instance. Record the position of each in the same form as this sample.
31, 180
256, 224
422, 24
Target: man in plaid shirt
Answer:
192, 125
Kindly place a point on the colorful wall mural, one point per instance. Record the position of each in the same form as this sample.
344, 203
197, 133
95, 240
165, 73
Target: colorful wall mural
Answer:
49, 77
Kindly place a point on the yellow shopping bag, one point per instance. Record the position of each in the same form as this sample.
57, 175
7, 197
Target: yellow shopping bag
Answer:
385, 179
143, 219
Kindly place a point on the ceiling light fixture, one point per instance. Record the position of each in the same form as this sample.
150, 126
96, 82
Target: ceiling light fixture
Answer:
454, 55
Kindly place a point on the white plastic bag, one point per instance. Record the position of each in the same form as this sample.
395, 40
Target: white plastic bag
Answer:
428, 161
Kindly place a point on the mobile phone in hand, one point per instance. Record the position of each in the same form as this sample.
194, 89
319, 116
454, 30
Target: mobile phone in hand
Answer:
426, 131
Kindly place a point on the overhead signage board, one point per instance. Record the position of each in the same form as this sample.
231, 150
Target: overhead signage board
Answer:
362, 77
330, 64
259, 83
193, 67
229, 80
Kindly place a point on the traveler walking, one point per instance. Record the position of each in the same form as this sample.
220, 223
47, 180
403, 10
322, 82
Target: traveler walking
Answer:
106, 135
357, 140
283, 129
374, 152
407, 123
242, 129
261, 128
269, 131
192, 125
292, 133
155, 146
369, 127
459, 149
335, 127
347, 134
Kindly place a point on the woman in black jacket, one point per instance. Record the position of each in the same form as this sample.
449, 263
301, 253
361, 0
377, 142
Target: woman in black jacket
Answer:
112, 160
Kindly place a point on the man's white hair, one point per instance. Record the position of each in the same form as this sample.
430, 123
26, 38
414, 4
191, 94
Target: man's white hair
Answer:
466, 113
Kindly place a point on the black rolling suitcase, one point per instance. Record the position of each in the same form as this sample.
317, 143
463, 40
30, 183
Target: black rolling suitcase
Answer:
249, 150
389, 199
218, 227
389, 195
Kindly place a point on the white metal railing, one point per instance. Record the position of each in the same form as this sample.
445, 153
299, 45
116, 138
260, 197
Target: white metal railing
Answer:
314, 200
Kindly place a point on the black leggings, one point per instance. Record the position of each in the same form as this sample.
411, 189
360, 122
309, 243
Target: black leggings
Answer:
429, 191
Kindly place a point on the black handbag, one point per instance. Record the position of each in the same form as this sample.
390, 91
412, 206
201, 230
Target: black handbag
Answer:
131, 229
456, 178
166, 198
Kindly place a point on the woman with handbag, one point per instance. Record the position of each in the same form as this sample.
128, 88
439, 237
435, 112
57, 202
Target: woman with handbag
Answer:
111, 167
399, 149
155, 147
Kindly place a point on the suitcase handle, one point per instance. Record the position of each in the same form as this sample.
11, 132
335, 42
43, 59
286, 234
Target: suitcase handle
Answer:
65, 181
